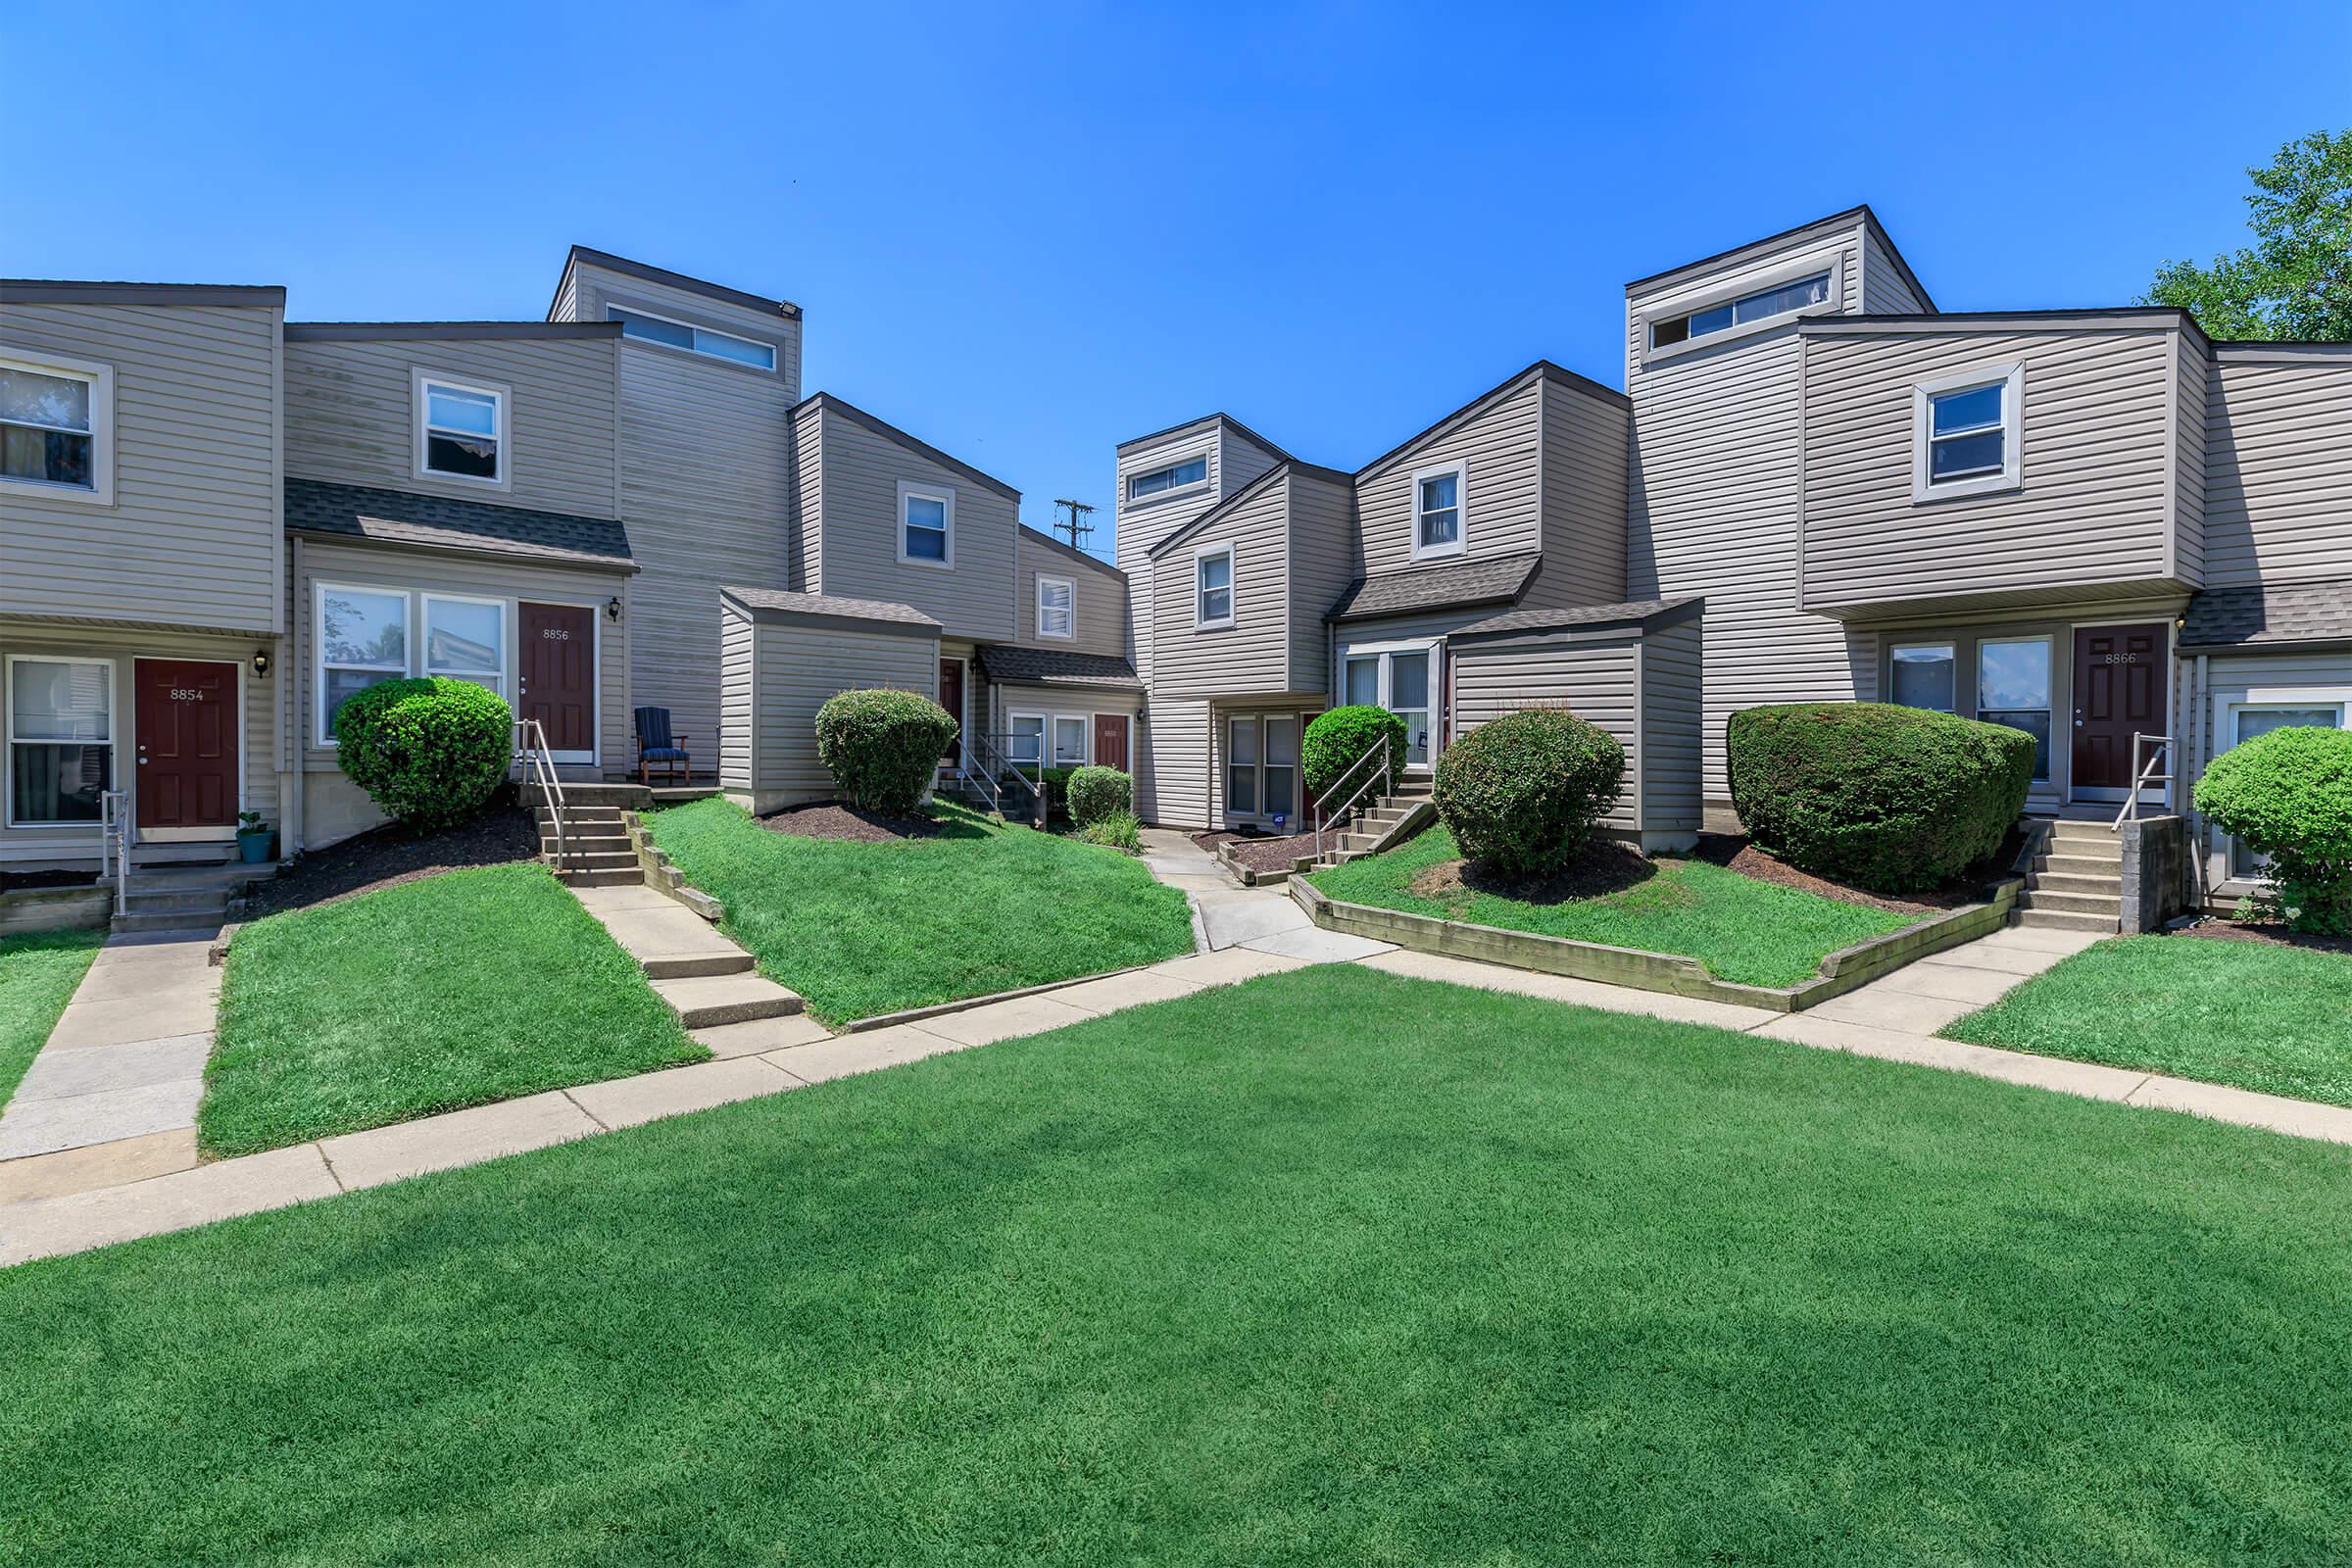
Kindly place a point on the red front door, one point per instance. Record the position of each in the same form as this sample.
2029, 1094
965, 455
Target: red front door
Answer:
186, 734
2119, 692
558, 665
1111, 741
951, 697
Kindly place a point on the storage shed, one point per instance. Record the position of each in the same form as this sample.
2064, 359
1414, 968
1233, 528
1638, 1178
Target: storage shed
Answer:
782, 656
1633, 669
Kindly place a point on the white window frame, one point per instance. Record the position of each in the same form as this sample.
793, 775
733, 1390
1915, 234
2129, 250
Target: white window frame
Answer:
508, 654
945, 495
1694, 301
1045, 737
2227, 704
9, 740
2011, 378
1086, 738
1977, 710
696, 332
1129, 497
1461, 511
422, 380
319, 738
1233, 584
1951, 651
1069, 607
100, 378
1257, 766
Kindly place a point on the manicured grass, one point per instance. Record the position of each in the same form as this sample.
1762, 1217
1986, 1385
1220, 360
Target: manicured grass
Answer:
1746, 931
859, 929
1330, 1269
2269, 1018
38, 972
453, 989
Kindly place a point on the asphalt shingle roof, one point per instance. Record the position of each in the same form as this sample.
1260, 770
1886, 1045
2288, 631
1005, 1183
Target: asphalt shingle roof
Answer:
446, 522
2274, 613
1456, 582
831, 604
1639, 609
1008, 666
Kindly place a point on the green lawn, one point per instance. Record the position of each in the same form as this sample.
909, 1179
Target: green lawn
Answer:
1330, 1269
38, 972
2268, 1018
859, 929
1746, 931
451, 991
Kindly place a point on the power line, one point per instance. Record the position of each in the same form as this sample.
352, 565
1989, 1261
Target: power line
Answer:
1075, 525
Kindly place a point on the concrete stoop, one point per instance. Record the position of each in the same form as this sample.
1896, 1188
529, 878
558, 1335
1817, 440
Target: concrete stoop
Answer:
2077, 880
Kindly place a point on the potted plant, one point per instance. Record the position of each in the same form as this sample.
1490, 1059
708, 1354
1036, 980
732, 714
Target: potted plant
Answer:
253, 838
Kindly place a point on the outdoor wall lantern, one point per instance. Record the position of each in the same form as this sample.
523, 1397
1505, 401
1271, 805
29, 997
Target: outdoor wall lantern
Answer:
260, 663
612, 609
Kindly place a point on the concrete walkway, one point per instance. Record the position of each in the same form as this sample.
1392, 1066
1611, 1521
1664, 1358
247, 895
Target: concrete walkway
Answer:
1227, 914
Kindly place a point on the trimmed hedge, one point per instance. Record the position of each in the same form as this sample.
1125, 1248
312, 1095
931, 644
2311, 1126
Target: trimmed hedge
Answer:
1524, 792
1097, 793
1337, 737
1889, 799
2288, 795
882, 746
427, 751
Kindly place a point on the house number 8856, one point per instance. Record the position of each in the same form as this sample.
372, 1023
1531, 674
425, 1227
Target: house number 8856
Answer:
555, 634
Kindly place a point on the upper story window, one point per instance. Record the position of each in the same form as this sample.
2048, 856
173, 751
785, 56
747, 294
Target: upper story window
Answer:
1438, 511
56, 427
461, 430
926, 527
1165, 481
1213, 587
693, 339
1765, 303
1056, 607
1966, 431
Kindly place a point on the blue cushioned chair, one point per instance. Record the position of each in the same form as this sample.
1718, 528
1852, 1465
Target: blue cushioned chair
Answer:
656, 744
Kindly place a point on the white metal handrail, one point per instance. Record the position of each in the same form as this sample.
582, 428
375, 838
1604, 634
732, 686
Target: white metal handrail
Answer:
996, 762
2158, 748
113, 844
1380, 776
531, 752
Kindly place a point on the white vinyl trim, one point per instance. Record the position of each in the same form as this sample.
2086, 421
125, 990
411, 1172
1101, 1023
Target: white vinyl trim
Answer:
1200, 592
423, 382
1724, 291
695, 333
1460, 542
100, 380
8, 728
1066, 609
319, 664
2011, 378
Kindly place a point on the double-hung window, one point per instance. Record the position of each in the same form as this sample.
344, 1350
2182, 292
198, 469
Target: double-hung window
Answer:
1965, 434
1213, 587
460, 431
60, 747
1069, 740
1025, 740
1923, 676
1241, 768
2013, 688
466, 639
693, 339
362, 639
1438, 511
1167, 480
1056, 607
56, 427
926, 527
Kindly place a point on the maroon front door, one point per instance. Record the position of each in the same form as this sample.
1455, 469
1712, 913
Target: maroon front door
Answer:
1111, 741
2119, 692
951, 697
558, 663
187, 742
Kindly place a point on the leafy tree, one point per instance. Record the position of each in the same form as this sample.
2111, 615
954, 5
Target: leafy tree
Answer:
2294, 283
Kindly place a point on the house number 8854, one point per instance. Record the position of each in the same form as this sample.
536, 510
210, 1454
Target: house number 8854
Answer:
186, 693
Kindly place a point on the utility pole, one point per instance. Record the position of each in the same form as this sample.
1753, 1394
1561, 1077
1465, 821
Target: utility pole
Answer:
1075, 525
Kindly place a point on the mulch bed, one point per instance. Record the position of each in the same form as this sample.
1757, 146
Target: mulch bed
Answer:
1734, 852
388, 856
1260, 851
830, 819
19, 881
2214, 928
1607, 868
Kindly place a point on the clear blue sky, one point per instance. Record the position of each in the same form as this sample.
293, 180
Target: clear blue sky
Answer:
1026, 233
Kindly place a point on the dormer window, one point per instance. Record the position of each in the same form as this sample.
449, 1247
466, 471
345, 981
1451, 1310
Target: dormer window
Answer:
1781, 299
1168, 481
460, 431
1438, 519
1965, 433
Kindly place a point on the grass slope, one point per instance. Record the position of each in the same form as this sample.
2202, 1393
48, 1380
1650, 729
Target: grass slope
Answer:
1743, 930
1333, 1267
38, 972
456, 990
2268, 1018
859, 929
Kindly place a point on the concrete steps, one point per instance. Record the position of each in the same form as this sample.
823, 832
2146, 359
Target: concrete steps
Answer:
2077, 880
186, 897
707, 979
704, 1001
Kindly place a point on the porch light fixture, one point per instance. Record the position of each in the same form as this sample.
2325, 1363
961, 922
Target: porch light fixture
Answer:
260, 663
612, 609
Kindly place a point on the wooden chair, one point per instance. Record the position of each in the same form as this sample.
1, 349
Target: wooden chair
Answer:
656, 744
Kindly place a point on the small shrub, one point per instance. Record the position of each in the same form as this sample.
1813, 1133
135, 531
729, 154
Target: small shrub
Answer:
2288, 795
1096, 793
882, 746
1337, 737
1117, 831
429, 752
1885, 798
1523, 792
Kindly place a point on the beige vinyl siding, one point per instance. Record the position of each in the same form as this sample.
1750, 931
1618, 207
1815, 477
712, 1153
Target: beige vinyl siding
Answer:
2277, 470
2096, 494
1240, 459
738, 697
1596, 681
1145, 523
1068, 702
593, 290
1253, 654
1098, 598
351, 415
857, 558
2280, 677
795, 666
1322, 563
1885, 289
1500, 447
2187, 458
1670, 778
808, 501
1172, 759
1585, 447
193, 537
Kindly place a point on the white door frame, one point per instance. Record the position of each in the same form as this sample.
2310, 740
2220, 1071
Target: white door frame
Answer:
1386, 652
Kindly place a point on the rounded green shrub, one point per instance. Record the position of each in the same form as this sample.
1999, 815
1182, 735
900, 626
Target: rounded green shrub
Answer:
882, 746
1337, 737
1097, 793
1523, 792
1885, 798
428, 752
2288, 795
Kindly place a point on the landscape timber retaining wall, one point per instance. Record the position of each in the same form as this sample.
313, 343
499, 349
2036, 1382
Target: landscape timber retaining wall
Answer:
56, 908
1841, 971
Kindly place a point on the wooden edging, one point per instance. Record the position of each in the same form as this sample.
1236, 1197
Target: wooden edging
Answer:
1841, 971
67, 909
663, 877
